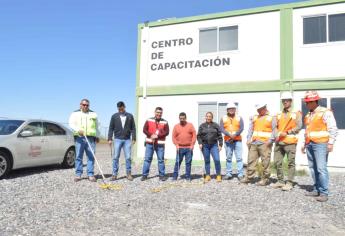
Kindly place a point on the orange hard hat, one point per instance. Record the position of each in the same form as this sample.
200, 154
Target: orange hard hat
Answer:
311, 96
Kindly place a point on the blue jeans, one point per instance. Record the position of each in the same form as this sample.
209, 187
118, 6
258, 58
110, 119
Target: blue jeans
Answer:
317, 159
230, 148
211, 149
126, 145
81, 146
150, 149
179, 158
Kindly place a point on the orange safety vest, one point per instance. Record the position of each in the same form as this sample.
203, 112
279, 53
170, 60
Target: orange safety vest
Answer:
286, 123
316, 129
262, 128
232, 125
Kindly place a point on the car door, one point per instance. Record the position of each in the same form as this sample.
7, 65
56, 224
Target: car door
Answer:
56, 138
32, 150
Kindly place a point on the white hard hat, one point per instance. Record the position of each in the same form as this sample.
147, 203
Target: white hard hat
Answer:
231, 105
260, 105
286, 95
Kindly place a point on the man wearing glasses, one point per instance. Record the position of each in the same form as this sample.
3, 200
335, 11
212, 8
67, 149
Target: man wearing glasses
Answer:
84, 124
156, 129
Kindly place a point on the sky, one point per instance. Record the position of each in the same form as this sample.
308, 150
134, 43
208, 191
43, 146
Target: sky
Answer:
54, 53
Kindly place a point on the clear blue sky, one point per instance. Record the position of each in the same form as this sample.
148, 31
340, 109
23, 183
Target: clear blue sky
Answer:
55, 52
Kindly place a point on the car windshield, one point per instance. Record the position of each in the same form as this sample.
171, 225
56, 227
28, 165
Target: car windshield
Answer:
9, 126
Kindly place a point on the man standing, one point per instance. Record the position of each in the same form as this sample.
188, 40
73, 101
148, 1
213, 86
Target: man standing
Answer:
320, 134
122, 128
184, 137
259, 140
84, 125
289, 123
156, 129
231, 126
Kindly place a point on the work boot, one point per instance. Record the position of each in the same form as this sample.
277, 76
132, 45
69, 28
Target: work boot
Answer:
288, 186
312, 194
77, 179
263, 182
207, 178
278, 184
219, 178
129, 176
113, 177
162, 178
246, 180
227, 177
92, 179
322, 198
143, 178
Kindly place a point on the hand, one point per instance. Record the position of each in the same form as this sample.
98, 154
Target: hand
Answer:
154, 136
110, 142
177, 147
249, 143
330, 147
200, 146
133, 142
97, 140
219, 148
81, 133
191, 148
268, 144
303, 149
282, 134
232, 136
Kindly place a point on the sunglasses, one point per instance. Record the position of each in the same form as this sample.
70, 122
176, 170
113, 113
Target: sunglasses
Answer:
85, 105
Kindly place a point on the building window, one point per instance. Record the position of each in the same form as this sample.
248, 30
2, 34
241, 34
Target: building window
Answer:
337, 106
218, 39
228, 38
336, 26
208, 40
325, 28
314, 30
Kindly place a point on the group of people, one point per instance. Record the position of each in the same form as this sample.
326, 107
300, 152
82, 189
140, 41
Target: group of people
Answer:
264, 130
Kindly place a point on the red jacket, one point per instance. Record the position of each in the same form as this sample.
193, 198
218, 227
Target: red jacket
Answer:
159, 127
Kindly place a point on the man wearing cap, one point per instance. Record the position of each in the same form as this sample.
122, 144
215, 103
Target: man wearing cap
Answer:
320, 134
84, 124
289, 123
259, 140
231, 126
122, 128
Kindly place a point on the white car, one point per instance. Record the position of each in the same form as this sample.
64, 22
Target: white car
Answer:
28, 143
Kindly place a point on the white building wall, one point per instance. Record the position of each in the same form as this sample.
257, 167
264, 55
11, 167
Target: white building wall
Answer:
173, 105
257, 59
320, 60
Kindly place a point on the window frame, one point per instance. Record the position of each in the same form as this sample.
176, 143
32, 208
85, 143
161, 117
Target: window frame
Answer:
217, 46
327, 30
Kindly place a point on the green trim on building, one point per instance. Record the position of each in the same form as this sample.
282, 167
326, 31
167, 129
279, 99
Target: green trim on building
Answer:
302, 4
136, 115
248, 87
286, 44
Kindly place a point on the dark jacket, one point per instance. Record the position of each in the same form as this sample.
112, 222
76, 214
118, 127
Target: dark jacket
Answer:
115, 127
210, 134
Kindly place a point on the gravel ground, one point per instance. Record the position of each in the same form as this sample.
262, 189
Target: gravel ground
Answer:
46, 201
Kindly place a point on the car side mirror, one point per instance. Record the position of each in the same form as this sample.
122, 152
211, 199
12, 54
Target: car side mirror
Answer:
26, 133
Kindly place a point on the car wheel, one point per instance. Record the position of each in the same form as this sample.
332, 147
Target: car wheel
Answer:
5, 164
69, 159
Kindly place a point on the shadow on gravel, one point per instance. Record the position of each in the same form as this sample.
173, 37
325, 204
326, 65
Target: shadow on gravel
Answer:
308, 188
32, 171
